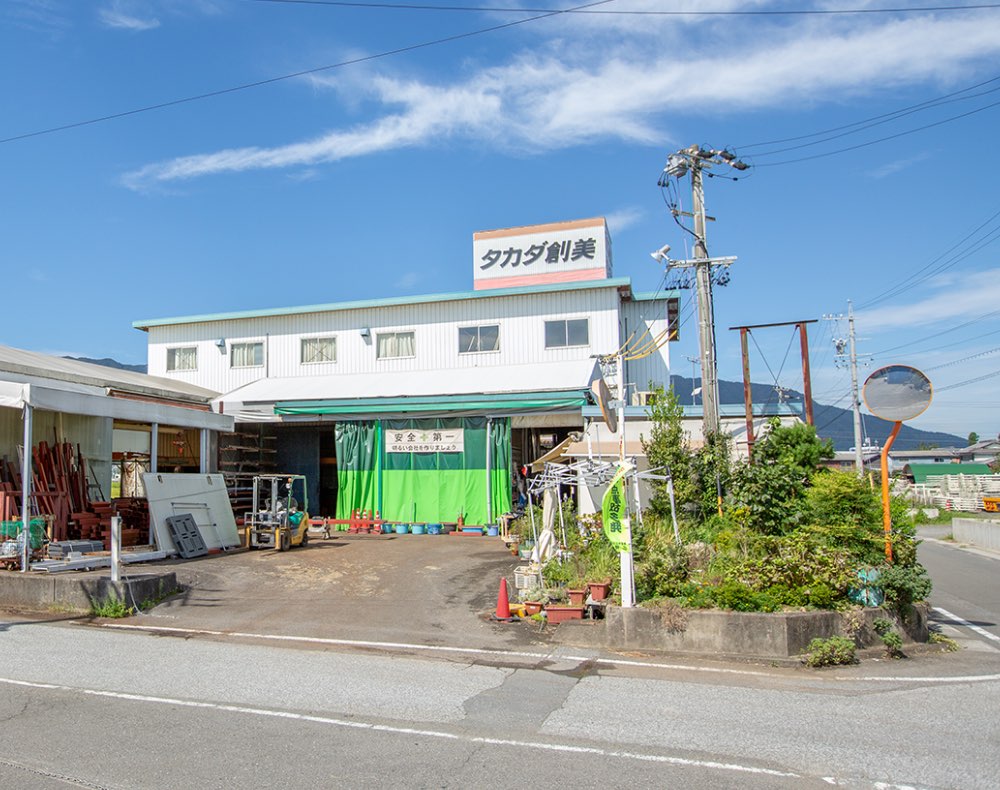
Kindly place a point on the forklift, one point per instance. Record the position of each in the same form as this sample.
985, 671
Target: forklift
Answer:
277, 521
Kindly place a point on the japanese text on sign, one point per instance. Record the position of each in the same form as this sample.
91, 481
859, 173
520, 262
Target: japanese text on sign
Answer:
419, 441
554, 252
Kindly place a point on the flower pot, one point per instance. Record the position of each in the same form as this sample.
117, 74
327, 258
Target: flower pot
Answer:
599, 590
577, 597
532, 607
557, 614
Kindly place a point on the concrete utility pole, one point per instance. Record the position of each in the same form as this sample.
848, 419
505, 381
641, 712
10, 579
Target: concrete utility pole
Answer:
852, 360
694, 160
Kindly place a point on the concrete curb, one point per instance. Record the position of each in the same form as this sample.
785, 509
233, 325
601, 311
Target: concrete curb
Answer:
77, 591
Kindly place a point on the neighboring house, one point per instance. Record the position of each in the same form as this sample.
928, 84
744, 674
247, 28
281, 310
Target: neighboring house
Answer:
939, 455
423, 407
984, 452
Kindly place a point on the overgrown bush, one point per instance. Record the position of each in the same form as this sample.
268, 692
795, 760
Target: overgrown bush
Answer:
766, 496
835, 651
904, 585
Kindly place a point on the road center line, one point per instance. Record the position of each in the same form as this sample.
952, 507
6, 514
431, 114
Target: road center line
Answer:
971, 626
358, 725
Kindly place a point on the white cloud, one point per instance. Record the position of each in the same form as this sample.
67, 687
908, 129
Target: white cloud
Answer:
623, 219
977, 293
624, 90
890, 168
127, 15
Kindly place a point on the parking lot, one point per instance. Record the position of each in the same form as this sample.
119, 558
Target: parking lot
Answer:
418, 589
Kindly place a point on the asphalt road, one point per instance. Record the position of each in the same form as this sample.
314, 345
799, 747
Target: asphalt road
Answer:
121, 708
966, 592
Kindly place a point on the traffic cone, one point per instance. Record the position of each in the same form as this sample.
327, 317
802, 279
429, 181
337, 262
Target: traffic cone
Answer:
503, 602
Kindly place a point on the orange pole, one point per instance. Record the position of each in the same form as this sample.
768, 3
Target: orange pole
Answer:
886, 515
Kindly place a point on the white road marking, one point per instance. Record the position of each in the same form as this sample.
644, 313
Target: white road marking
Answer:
359, 725
971, 626
523, 654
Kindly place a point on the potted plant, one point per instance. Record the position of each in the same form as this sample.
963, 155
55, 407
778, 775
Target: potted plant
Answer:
599, 590
533, 598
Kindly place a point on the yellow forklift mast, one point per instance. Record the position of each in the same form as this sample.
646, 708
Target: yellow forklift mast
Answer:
277, 521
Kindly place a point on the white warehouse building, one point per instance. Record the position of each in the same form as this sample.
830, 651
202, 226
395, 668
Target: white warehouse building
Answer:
424, 407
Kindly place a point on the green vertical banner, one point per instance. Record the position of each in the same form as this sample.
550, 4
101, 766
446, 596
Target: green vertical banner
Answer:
358, 467
617, 525
500, 482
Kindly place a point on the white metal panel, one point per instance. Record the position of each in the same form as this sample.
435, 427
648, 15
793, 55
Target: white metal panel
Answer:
648, 320
435, 326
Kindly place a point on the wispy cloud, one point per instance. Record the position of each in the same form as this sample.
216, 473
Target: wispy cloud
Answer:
126, 15
890, 168
977, 293
48, 17
538, 103
624, 218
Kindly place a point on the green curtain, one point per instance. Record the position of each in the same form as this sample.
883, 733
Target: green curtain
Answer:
357, 467
436, 487
500, 482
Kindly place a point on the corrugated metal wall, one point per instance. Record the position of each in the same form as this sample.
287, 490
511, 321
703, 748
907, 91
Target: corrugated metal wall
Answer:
435, 326
93, 434
639, 317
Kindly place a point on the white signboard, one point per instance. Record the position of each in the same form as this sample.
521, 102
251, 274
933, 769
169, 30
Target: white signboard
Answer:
432, 441
538, 254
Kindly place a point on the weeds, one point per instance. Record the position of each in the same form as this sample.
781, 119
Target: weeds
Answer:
835, 651
111, 607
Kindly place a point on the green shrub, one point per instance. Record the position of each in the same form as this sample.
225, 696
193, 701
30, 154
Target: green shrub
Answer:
904, 585
768, 495
111, 607
835, 651
739, 598
662, 569
949, 644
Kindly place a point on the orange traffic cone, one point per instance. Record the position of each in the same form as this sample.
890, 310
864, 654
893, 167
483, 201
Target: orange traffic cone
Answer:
503, 602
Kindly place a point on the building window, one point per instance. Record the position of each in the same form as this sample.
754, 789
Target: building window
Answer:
474, 339
319, 349
182, 358
247, 355
395, 344
572, 332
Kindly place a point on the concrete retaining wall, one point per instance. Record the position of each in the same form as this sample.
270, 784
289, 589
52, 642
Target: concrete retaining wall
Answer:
711, 632
977, 532
74, 591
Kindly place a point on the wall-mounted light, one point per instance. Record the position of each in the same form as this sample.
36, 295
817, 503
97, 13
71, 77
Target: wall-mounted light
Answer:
221, 345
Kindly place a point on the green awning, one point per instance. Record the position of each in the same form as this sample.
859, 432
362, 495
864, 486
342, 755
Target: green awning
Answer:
921, 472
496, 404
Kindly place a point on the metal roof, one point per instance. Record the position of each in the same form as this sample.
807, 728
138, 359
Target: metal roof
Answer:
921, 472
45, 366
367, 304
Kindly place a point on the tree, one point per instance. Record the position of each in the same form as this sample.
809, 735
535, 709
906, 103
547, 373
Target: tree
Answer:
973, 438
796, 446
668, 447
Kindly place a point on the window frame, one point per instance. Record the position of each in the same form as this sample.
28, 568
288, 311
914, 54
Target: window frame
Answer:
315, 338
181, 348
566, 322
232, 354
479, 349
379, 335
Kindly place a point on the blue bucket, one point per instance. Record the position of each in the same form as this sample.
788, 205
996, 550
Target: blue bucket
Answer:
493, 531
402, 529
418, 529
433, 529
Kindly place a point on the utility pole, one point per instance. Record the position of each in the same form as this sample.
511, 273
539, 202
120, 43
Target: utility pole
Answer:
694, 362
852, 361
695, 160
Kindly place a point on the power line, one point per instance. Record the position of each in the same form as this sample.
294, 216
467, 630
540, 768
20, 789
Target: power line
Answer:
303, 73
963, 359
959, 342
873, 118
976, 320
879, 140
906, 284
515, 10
969, 381
894, 117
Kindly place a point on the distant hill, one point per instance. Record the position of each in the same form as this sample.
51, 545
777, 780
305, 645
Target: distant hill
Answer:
832, 422
110, 363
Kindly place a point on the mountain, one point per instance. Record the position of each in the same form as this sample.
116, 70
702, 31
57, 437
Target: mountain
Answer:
111, 363
832, 422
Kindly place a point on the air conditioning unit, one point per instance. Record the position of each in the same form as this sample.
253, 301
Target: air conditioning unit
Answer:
643, 398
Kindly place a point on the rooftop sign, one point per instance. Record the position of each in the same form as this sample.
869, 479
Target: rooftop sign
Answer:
539, 254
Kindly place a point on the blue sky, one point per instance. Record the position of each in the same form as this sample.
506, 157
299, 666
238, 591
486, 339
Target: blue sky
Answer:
369, 179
